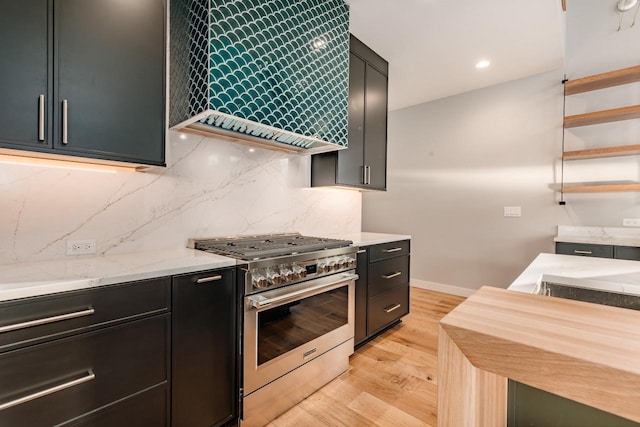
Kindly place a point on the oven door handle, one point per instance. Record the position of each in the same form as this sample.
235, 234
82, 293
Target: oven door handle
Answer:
260, 302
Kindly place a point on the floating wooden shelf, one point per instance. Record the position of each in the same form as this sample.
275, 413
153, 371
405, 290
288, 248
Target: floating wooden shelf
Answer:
600, 188
605, 116
597, 153
604, 80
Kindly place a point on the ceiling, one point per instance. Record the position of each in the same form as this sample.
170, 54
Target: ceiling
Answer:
433, 45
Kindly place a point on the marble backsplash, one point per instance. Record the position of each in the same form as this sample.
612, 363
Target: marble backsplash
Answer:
209, 188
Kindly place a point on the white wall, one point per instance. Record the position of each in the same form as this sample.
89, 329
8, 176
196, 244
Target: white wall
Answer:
210, 188
455, 163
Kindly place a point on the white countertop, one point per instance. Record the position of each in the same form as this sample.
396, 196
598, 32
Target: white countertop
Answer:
366, 238
21, 280
618, 236
607, 274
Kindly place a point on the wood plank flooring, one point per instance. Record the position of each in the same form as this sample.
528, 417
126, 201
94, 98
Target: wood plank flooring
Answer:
392, 380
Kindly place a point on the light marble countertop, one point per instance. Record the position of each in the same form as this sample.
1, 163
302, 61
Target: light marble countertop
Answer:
607, 274
27, 279
618, 236
366, 238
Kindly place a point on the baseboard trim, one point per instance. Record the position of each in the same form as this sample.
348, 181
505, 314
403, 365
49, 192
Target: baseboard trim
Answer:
439, 287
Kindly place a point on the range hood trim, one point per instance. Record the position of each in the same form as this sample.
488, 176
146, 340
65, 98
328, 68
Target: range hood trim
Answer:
194, 126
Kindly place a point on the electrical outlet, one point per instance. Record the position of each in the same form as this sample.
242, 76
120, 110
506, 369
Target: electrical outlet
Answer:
512, 211
81, 247
631, 222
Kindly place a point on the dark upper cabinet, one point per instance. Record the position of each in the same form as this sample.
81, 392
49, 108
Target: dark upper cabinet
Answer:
101, 72
24, 77
364, 163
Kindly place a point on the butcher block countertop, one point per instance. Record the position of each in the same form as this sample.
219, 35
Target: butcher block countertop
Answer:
585, 352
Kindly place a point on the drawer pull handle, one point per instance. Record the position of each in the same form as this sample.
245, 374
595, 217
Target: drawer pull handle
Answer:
392, 307
65, 121
89, 377
361, 251
47, 320
392, 275
582, 252
209, 279
391, 250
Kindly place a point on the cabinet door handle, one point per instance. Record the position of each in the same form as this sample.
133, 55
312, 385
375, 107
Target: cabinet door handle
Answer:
209, 279
392, 307
391, 250
89, 377
47, 320
368, 175
41, 118
392, 275
361, 251
582, 252
65, 122
364, 175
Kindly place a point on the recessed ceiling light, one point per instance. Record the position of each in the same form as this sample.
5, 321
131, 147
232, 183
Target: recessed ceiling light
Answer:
483, 64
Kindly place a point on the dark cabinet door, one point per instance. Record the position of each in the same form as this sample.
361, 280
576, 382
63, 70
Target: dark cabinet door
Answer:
375, 152
109, 57
204, 389
24, 77
362, 268
350, 161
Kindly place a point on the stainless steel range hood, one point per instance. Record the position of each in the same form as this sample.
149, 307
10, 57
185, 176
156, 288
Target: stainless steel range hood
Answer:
269, 73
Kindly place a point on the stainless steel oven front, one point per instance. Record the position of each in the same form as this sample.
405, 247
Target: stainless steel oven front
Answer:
288, 327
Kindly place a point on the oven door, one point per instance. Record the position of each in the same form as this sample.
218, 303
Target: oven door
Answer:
287, 327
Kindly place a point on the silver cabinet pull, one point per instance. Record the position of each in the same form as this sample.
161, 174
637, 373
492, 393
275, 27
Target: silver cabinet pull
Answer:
368, 175
391, 250
47, 320
583, 252
65, 122
364, 175
41, 118
361, 251
309, 353
209, 279
392, 307
89, 377
391, 276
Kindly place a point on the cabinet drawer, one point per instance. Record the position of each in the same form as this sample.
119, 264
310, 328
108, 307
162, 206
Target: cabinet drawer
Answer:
600, 251
123, 359
388, 307
149, 408
388, 274
68, 312
388, 250
626, 252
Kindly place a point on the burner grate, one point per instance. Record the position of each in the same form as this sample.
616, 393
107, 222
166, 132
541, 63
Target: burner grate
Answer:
267, 246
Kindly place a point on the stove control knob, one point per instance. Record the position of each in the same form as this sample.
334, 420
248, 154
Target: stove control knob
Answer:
343, 263
333, 266
299, 272
322, 267
273, 277
286, 273
258, 280
351, 262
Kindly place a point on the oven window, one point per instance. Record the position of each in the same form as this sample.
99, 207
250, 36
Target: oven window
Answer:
289, 326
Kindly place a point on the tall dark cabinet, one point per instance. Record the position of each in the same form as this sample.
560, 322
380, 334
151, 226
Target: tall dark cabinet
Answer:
363, 164
84, 78
204, 346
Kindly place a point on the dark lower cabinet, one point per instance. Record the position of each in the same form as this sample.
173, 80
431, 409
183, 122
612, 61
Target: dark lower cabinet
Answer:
83, 373
584, 249
626, 252
532, 407
204, 362
382, 291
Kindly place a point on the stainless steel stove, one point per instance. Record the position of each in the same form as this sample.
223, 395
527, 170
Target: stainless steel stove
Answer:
298, 323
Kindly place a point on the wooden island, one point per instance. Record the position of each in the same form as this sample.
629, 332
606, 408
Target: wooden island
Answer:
584, 352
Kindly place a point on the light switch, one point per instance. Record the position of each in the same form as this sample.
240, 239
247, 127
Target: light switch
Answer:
512, 211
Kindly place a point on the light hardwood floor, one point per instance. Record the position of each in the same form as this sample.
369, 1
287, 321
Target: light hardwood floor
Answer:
392, 380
